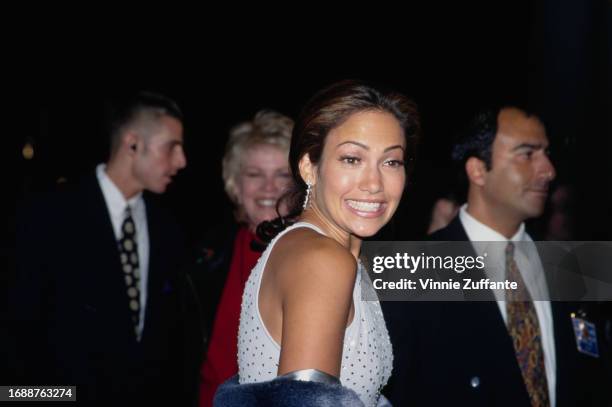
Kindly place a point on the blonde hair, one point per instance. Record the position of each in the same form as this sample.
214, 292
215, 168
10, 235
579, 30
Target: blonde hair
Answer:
268, 127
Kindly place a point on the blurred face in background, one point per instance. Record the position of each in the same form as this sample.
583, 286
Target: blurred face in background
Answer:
264, 177
159, 156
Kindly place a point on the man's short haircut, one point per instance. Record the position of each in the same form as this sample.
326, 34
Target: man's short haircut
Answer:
477, 140
142, 109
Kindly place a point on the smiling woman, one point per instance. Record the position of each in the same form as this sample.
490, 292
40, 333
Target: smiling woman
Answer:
256, 174
255, 166
302, 316
359, 182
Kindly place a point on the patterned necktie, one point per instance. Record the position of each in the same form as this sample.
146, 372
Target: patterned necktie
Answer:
524, 329
128, 250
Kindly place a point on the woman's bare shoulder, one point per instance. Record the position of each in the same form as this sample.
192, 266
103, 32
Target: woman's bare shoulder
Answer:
317, 277
305, 254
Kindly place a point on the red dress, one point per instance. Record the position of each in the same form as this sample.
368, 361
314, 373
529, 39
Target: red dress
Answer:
221, 361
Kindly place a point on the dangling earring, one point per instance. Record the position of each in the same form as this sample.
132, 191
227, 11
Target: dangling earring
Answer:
307, 198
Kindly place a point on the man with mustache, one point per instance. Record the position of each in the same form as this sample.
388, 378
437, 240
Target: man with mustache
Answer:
504, 351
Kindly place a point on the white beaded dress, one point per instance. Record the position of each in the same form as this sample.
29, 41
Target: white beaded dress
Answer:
367, 357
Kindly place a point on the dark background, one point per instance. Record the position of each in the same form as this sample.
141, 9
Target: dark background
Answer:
552, 56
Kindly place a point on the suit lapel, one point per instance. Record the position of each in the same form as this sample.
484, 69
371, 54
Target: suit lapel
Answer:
456, 233
489, 312
106, 264
567, 355
101, 226
157, 283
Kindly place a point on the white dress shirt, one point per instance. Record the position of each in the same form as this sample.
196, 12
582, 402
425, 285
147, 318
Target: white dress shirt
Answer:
116, 205
530, 266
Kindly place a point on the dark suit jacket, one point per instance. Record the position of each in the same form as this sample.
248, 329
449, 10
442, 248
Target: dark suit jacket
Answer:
460, 353
208, 271
72, 320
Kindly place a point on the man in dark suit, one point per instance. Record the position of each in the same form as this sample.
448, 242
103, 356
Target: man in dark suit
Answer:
478, 353
100, 292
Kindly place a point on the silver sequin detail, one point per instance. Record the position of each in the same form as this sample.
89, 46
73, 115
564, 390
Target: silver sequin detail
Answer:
367, 357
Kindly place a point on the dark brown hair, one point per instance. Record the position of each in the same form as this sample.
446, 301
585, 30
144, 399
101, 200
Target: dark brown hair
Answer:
328, 109
126, 111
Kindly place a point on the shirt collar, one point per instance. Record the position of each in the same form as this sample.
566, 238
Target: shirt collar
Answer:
478, 231
115, 200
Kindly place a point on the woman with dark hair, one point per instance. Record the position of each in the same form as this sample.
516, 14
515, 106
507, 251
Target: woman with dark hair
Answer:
302, 316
